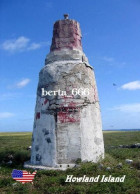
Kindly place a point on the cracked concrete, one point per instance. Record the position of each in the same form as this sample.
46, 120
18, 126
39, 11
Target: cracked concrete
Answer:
67, 128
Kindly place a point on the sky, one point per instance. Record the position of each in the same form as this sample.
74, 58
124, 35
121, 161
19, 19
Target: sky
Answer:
110, 39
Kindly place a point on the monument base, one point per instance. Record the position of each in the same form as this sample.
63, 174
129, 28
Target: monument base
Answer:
57, 167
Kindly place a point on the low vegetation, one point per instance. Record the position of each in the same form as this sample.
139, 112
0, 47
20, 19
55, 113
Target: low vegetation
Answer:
13, 147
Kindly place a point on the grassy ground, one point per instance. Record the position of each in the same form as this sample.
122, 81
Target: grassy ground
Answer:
54, 181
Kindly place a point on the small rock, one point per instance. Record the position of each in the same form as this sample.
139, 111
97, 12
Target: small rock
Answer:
112, 146
108, 168
119, 165
101, 166
133, 146
77, 166
137, 145
10, 162
84, 161
14, 184
29, 148
56, 166
10, 157
127, 146
128, 161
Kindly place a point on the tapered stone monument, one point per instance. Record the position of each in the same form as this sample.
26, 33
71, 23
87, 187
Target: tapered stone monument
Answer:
67, 122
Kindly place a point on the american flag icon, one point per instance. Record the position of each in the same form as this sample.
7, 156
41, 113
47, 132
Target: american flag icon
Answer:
23, 176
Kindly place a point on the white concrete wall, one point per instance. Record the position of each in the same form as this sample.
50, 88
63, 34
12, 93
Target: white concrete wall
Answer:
68, 143
61, 135
92, 145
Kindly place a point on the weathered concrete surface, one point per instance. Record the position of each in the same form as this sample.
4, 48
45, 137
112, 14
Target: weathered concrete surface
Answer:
66, 34
43, 167
66, 128
91, 137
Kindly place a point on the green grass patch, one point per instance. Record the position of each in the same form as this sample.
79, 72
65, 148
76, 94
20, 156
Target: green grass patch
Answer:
51, 181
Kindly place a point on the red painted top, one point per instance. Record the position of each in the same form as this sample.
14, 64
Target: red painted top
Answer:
66, 34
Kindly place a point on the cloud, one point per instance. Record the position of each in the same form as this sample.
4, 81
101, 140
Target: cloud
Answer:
16, 44
21, 44
34, 46
22, 83
9, 96
19, 84
112, 61
108, 59
131, 108
4, 115
135, 85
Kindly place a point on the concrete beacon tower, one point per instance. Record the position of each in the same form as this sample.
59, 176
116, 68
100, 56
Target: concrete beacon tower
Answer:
67, 123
